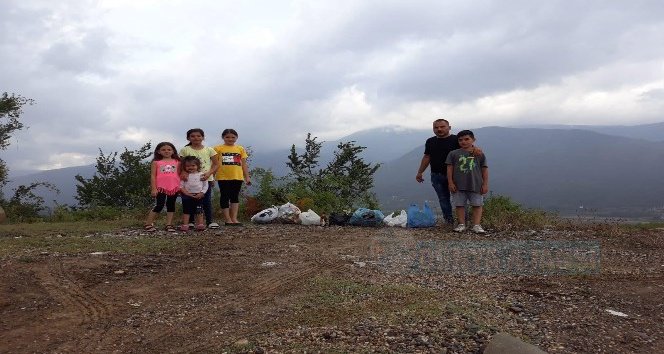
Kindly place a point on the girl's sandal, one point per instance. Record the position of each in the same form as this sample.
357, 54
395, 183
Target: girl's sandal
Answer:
149, 228
200, 227
170, 228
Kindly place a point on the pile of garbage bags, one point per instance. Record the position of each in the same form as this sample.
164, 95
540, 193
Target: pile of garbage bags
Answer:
414, 217
286, 214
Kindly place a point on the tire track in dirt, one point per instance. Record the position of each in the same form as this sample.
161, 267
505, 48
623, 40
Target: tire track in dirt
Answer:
87, 307
260, 288
263, 290
255, 291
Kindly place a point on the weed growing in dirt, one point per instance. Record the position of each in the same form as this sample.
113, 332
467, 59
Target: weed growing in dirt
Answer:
26, 259
240, 347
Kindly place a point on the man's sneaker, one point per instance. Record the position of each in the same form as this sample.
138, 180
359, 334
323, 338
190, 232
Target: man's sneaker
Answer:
478, 229
213, 225
191, 225
460, 228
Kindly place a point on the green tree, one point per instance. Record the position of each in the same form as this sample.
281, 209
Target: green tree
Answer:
350, 178
345, 183
271, 189
25, 205
304, 166
124, 183
11, 108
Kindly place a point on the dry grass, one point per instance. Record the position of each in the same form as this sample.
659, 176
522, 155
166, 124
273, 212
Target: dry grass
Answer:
333, 300
26, 240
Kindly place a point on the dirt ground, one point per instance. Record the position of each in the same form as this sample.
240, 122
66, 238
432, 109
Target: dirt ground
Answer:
290, 288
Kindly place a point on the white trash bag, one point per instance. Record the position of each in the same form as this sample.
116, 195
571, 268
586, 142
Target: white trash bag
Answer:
289, 213
309, 217
265, 216
399, 220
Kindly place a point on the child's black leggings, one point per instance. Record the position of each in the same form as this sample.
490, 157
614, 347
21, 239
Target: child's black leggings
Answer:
162, 199
229, 191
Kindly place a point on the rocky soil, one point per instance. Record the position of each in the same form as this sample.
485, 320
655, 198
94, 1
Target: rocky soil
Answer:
290, 288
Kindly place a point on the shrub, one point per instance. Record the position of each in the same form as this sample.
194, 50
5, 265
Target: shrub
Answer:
305, 204
271, 189
345, 183
502, 213
25, 205
122, 183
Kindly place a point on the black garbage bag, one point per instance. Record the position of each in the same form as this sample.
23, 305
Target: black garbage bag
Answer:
339, 218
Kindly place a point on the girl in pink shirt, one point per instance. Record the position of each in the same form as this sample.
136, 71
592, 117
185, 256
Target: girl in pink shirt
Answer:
164, 184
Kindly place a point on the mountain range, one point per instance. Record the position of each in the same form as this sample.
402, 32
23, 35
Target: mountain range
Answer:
559, 168
650, 132
551, 169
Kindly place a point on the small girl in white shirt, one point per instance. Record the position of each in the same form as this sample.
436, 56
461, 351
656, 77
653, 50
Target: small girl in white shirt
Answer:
193, 191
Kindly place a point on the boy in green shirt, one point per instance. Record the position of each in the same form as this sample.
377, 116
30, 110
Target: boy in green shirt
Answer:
468, 180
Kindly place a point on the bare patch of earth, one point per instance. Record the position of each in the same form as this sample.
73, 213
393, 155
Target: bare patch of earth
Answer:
288, 288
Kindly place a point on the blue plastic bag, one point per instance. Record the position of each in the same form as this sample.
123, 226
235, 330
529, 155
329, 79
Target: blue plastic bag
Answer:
366, 217
421, 217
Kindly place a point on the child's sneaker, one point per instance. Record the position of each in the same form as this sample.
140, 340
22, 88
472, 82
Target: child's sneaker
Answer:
184, 227
478, 229
200, 227
460, 228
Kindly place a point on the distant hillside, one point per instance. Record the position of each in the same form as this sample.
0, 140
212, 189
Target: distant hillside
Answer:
62, 178
382, 145
552, 169
651, 132
385, 143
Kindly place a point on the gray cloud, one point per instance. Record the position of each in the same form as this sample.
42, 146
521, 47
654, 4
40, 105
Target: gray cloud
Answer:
87, 55
98, 84
501, 47
655, 95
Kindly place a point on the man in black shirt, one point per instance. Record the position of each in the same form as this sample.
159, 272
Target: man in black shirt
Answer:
435, 153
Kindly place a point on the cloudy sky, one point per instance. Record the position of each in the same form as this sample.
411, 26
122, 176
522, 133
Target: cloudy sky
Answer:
114, 73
